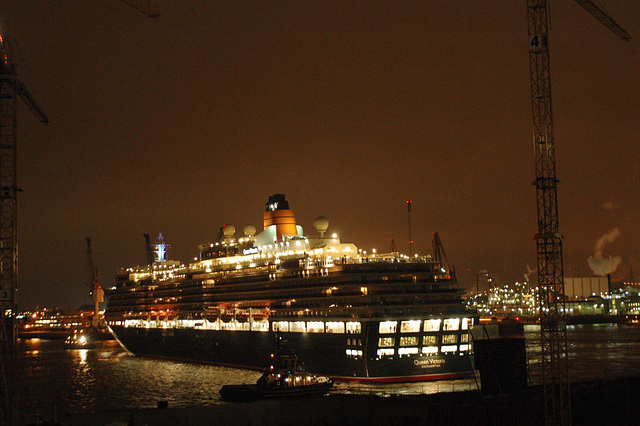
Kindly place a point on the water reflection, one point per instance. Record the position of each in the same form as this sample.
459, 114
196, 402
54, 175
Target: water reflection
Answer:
57, 379
417, 388
595, 351
106, 377
82, 355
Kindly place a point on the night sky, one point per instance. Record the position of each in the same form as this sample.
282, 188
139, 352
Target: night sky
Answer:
189, 121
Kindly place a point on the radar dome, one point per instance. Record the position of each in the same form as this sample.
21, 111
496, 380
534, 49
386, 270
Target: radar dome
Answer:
228, 230
249, 230
321, 224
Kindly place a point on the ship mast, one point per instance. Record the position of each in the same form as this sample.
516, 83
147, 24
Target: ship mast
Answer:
409, 202
149, 249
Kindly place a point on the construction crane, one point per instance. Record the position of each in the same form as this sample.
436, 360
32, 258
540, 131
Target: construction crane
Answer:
11, 88
553, 330
97, 293
441, 257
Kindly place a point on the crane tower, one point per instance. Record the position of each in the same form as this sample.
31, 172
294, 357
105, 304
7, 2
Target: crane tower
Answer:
553, 330
10, 89
97, 293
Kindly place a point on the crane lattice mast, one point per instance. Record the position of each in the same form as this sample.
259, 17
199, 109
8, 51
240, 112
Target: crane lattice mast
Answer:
10, 89
553, 329
97, 293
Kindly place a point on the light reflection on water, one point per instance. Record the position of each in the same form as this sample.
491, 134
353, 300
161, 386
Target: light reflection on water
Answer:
595, 351
107, 377
416, 388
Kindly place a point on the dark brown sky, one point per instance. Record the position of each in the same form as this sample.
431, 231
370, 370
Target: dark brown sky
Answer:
192, 120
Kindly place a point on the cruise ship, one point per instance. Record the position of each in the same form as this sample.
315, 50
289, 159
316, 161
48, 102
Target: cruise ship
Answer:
347, 314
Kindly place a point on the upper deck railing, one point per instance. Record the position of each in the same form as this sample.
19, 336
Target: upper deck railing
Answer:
284, 260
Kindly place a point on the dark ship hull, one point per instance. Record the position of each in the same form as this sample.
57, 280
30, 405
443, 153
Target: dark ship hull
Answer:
323, 354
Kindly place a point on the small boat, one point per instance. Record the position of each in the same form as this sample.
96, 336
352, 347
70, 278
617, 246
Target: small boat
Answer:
282, 378
78, 340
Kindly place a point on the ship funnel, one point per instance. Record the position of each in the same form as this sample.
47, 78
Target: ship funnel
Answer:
277, 213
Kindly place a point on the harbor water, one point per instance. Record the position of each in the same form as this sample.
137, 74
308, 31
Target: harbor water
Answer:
56, 381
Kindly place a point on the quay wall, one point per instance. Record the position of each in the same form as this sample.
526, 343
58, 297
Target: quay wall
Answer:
611, 401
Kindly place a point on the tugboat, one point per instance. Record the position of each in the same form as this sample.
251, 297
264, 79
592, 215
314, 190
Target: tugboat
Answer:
78, 340
282, 378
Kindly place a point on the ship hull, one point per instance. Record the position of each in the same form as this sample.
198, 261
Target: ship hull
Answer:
323, 354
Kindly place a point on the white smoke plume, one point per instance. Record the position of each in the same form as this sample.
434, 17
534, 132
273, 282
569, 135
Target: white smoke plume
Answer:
598, 263
529, 272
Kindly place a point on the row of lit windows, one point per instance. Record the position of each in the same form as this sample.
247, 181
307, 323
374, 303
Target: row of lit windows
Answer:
57, 321
354, 353
390, 342
196, 324
415, 326
426, 350
55, 324
350, 327
339, 327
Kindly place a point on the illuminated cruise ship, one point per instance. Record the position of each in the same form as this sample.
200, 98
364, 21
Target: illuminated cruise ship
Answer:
347, 315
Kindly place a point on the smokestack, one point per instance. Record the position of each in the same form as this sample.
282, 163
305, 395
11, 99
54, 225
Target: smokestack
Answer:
609, 282
277, 213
